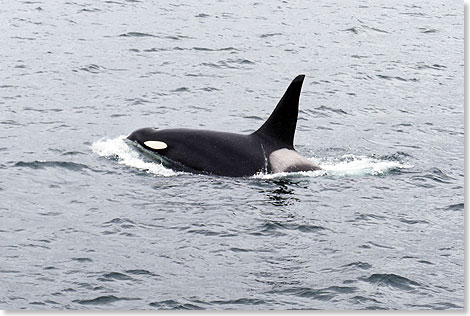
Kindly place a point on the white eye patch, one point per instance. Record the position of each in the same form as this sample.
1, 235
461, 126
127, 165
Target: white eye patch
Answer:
154, 144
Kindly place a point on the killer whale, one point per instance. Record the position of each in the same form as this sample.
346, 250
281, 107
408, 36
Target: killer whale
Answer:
269, 149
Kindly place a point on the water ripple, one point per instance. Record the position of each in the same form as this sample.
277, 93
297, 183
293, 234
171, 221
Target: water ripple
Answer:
141, 272
93, 68
323, 294
73, 166
241, 301
278, 228
82, 259
229, 63
397, 78
456, 207
171, 304
136, 34
205, 49
357, 265
435, 175
105, 300
392, 280
113, 276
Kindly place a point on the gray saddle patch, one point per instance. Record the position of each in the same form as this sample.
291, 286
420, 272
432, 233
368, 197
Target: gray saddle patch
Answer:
287, 160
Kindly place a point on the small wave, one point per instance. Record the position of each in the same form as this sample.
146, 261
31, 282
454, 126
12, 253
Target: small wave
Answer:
352, 30
347, 165
119, 220
90, 10
205, 49
209, 89
434, 175
118, 149
428, 31
371, 244
92, 68
136, 34
396, 78
436, 306
71, 153
358, 265
375, 29
278, 228
392, 280
240, 301
324, 294
422, 65
137, 101
181, 89
11, 122
241, 61
366, 218
103, 300
205, 232
115, 276
171, 304
456, 207
229, 63
359, 56
328, 109
157, 49
140, 272
82, 259
364, 28
363, 299
269, 35
253, 117
413, 221
235, 249
398, 156
177, 37
40, 164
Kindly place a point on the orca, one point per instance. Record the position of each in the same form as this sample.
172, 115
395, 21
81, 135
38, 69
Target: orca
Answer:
270, 149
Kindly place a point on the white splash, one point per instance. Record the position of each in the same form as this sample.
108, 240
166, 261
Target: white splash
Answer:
126, 155
347, 165
351, 165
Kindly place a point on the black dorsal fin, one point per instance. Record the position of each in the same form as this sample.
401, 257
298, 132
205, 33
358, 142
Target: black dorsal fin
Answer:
280, 126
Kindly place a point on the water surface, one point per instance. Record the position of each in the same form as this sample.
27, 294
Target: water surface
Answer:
87, 222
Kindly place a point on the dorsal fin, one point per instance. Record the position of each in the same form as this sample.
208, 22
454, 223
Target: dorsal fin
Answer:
282, 122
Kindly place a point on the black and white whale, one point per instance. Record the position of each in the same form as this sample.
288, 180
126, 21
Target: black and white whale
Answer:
270, 149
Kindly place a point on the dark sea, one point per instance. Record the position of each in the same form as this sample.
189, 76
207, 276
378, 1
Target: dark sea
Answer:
89, 222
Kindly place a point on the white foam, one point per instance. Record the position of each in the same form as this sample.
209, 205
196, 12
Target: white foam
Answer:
351, 165
347, 165
126, 155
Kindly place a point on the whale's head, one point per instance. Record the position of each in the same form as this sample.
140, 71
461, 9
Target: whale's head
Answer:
148, 138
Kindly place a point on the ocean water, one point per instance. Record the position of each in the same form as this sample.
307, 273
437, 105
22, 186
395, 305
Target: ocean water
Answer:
88, 222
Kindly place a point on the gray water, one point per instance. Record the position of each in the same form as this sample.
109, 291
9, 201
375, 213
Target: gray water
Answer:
87, 222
